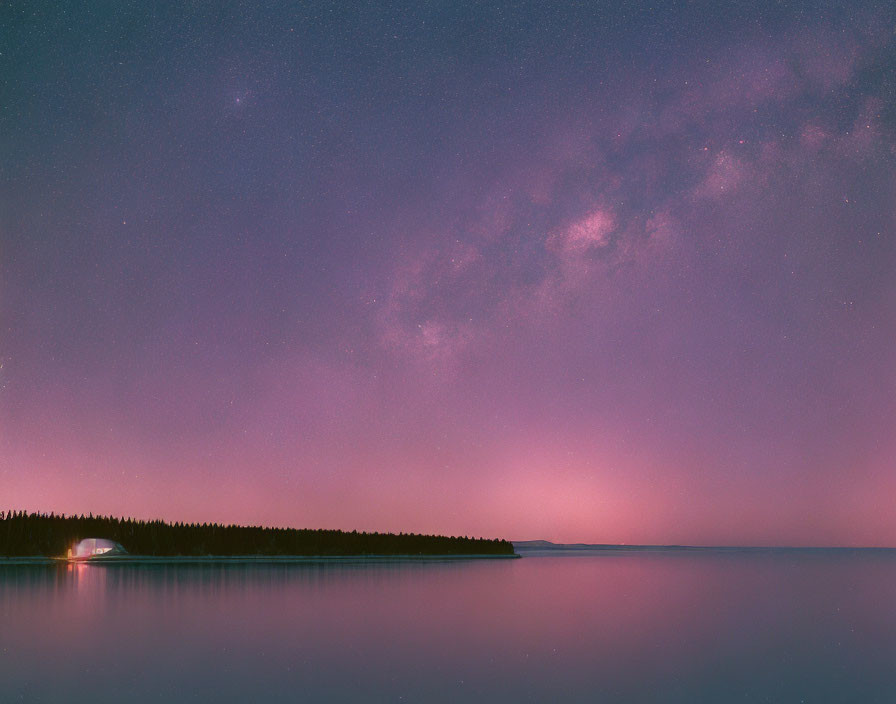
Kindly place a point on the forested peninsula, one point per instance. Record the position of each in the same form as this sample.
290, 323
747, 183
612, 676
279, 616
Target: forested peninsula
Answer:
50, 535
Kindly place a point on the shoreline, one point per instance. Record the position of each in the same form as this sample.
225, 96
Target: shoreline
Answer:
245, 559
522, 548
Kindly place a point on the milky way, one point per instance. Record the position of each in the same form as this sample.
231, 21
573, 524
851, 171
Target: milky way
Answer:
598, 272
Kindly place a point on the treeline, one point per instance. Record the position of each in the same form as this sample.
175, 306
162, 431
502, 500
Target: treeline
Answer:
26, 534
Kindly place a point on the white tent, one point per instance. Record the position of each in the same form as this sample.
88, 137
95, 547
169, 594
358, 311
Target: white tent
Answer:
91, 547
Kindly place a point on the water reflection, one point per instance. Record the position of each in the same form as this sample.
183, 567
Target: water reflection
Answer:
666, 628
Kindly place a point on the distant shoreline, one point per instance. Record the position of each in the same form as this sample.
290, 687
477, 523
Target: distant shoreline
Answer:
527, 546
41, 534
245, 559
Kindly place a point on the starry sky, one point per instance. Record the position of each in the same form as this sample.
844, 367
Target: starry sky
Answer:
599, 272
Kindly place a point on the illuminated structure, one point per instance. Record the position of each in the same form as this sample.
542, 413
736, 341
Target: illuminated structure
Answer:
95, 547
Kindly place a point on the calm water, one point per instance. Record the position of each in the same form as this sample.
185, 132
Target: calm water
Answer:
581, 628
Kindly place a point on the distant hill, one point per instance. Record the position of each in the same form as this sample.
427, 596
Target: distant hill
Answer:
548, 545
533, 544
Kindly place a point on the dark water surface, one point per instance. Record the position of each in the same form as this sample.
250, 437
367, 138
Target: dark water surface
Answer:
652, 627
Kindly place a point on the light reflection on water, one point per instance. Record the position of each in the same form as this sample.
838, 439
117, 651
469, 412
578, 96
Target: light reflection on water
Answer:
611, 628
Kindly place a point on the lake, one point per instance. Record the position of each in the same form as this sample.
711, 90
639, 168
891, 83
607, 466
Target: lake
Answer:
587, 627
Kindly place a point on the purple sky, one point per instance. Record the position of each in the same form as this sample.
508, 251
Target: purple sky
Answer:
619, 274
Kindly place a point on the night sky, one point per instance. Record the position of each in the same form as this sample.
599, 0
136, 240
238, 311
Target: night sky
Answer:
601, 272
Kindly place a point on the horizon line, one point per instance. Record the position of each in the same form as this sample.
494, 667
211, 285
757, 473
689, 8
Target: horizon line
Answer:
678, 546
